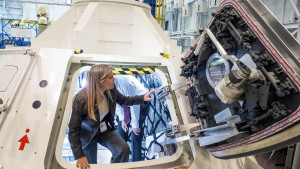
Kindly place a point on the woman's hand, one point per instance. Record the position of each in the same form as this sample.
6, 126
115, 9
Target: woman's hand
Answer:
82, 163
147, 96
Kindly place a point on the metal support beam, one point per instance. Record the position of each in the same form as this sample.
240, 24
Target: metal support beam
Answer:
291, 25
298, 34
296, 161
47, 2
295, 8
289, 156
294, 32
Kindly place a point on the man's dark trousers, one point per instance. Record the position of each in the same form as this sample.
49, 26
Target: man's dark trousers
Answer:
136, 140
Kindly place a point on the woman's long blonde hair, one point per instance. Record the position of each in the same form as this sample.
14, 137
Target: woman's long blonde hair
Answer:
95, 95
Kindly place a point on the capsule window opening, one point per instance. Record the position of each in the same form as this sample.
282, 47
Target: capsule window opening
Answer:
156, 121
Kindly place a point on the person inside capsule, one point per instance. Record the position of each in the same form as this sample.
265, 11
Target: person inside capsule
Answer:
92, 118
132, 117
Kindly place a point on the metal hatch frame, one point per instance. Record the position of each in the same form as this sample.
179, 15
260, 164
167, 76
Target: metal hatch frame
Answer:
80, 63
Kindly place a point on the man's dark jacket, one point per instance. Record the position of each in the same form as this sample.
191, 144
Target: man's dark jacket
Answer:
82, 129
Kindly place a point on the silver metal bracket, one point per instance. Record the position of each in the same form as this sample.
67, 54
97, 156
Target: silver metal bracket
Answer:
171, 131
163, 91
216, 134
177, 140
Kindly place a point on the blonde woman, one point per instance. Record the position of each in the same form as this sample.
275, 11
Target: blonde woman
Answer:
92, 119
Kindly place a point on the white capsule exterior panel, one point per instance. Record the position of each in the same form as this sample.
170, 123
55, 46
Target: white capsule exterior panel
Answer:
35, 123
108, 27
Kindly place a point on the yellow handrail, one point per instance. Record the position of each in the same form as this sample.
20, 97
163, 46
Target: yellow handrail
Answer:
159, 12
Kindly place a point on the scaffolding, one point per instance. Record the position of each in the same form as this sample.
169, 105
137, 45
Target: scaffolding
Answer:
8, 39
160, 12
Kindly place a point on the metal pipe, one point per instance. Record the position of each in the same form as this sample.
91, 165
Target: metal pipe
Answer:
284, 6
200, 44
179, 20
46, 3
232, 58
216, 42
